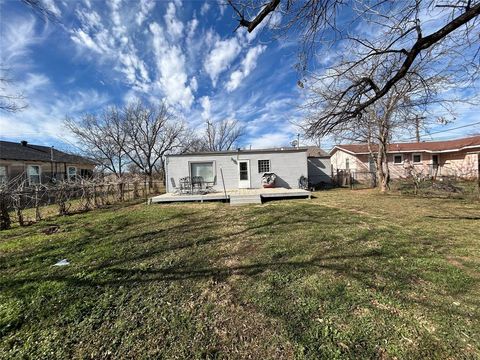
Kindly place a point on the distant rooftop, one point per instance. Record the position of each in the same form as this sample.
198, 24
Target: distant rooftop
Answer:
30, 152
312, 151
430, 146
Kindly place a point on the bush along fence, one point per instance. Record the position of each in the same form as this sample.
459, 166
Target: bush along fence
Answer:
26, 203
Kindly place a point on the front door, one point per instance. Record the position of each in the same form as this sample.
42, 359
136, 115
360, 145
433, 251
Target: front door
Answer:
244, 174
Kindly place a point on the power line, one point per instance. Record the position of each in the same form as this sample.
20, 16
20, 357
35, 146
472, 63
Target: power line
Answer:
446, 130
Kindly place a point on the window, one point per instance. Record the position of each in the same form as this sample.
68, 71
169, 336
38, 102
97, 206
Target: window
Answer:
203, 169
33, 174
398, 159
347, 164
243, 166
72, 173
417, 158
3, 174
86, 173
263, 166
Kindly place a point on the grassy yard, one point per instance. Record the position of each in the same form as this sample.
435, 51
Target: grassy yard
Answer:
350, 274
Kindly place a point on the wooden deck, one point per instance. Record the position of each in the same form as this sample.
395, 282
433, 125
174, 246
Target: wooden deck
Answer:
235, 196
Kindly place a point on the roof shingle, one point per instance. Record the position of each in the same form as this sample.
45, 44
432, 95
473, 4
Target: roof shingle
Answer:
432, 146
17, 151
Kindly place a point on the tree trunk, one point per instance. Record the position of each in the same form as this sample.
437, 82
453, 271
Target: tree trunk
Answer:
383, 172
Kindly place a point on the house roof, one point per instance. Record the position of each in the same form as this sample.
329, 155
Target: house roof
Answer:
312, 151
431, 146
24, 151
315, 151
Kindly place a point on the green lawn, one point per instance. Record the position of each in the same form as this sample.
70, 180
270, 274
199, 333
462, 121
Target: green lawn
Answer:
350, 274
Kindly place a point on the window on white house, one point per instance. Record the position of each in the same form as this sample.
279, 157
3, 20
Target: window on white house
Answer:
263, 166
33, 172
397, 159
3, 174
417, 158
347, 164
203, 169
72, 173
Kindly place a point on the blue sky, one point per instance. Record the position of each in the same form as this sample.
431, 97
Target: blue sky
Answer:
104, 53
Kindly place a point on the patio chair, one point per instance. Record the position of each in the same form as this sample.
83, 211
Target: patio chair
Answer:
197, 184
185, 185
210, 184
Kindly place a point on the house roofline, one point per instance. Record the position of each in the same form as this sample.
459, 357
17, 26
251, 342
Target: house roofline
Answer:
405, 151
234, 152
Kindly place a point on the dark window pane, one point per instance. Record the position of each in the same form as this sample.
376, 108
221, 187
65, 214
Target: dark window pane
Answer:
243, 166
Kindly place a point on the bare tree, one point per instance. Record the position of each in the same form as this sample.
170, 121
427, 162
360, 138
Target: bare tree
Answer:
400, 34
394, 113
152, 133
222, 135
102, 138
10, 101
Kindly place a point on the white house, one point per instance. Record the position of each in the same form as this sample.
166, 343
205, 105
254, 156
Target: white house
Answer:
243, 169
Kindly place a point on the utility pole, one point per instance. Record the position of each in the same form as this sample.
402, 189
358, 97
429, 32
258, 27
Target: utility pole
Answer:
418, 120
298, 140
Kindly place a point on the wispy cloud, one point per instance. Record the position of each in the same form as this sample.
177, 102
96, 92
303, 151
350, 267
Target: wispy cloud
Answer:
224, 52
248, 64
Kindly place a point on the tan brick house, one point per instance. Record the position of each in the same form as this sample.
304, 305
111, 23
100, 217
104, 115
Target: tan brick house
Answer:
458, 158
40, 164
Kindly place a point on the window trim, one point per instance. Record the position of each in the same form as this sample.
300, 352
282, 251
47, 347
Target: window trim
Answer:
68, 172
39, 174
413, 158
347, 163
269, 166
401, 161
214, 168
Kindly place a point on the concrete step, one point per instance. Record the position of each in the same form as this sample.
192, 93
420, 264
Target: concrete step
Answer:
245, 199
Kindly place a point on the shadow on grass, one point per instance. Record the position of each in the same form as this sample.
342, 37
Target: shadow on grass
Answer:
195, 245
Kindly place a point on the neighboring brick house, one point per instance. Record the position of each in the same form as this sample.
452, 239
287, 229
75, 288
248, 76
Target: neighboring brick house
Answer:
459, 158
40, 164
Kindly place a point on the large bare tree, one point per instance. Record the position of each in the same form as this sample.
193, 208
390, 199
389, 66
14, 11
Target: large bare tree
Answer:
441, 33
152, 132
397, 112
102, 138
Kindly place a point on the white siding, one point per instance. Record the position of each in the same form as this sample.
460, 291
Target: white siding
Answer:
319, 170
288, 166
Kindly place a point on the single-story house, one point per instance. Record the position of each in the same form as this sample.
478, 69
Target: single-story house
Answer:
40, 164
459, 158
243, 169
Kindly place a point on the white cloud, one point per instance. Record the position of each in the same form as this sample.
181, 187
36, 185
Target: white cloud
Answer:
146, 7
173, 25
204, 9
194, 84
17, 36
222, 6
276, 139
192, 26
43, 119
206, 106
52, 7
170, 62
81, 38
248, 64
113, 44
220, 58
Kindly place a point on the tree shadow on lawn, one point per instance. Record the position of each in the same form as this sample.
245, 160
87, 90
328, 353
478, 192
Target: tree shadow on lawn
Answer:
198, 258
